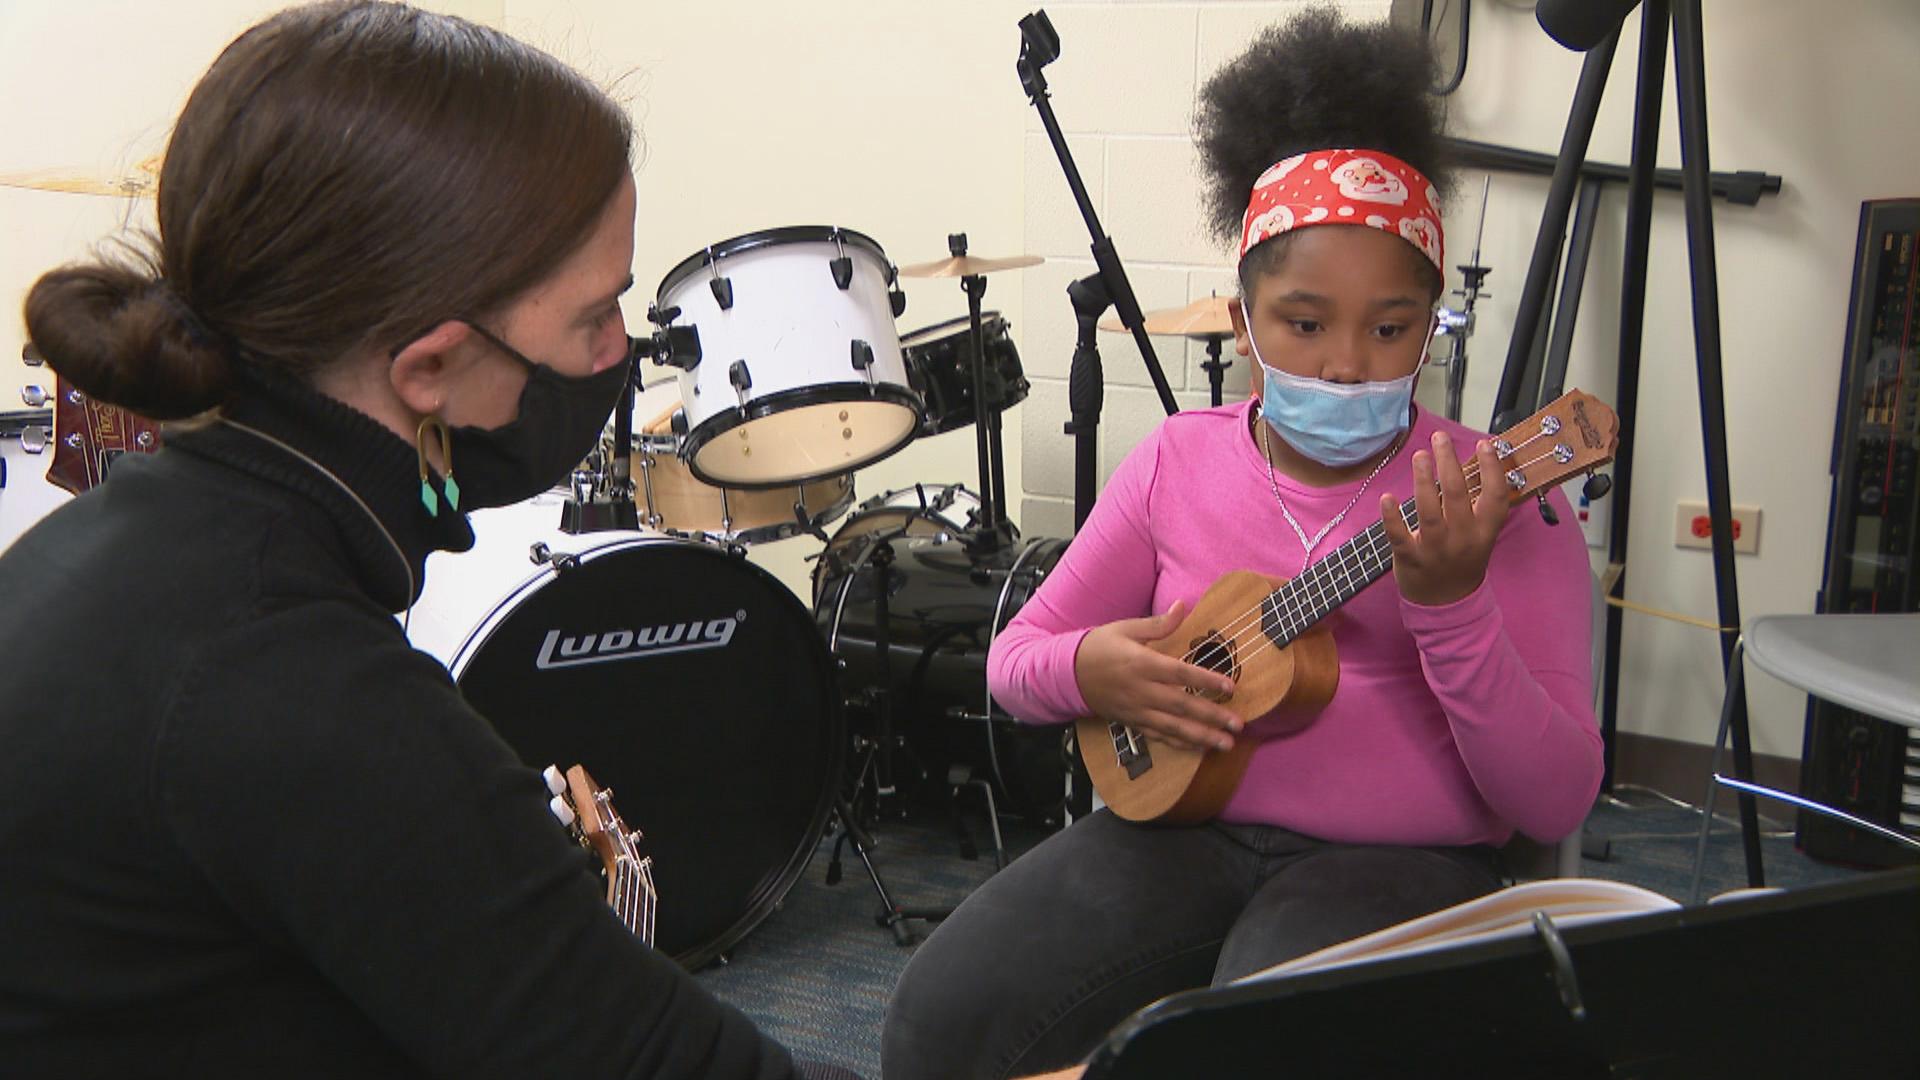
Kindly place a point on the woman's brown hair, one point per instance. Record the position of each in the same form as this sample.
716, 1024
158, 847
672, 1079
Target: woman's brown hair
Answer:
344, 175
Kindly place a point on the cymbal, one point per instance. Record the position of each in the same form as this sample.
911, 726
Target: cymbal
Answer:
967, 265
1204, 318
143, 181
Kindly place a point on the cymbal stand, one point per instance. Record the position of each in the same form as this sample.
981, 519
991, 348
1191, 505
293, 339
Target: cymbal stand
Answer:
1215, 367
994, 529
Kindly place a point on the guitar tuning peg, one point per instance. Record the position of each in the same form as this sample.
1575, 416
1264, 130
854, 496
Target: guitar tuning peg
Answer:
35, 396
1597, 486
30, 355
1547, 513
561, 811
555, 782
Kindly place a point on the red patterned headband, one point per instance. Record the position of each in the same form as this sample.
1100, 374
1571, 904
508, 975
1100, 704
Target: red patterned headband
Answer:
1345, 187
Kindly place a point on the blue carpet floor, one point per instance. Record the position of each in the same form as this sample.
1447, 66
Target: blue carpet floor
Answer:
816, 974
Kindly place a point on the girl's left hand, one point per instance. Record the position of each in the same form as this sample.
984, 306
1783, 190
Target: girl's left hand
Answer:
1446, 557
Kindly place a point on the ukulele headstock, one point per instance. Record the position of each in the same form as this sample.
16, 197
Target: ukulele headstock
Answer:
1576, 433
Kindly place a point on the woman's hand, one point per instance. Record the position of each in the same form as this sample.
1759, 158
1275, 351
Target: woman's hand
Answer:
1124, 681
1446, 558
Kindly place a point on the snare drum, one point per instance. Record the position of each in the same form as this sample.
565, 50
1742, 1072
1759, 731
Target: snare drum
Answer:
685, 678
940, 363
26, 496
801, 375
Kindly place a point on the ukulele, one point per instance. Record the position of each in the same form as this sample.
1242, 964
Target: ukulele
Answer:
586, 809
1266, 633
89, 436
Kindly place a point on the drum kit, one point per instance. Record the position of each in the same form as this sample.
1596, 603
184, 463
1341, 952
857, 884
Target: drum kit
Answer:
616, 622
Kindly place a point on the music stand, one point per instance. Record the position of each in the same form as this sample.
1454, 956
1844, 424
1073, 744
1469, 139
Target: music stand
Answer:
1816, 982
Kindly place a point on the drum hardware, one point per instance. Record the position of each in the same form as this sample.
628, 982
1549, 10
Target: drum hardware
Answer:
1457, 325
876, 758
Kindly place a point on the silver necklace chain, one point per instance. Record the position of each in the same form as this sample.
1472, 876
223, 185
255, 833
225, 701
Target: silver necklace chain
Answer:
1306, 558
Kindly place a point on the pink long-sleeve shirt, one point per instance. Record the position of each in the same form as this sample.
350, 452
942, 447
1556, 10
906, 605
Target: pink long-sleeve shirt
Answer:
1455, 724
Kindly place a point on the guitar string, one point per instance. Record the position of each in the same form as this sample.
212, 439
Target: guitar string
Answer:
1258, 613
1471, 471
1374, 548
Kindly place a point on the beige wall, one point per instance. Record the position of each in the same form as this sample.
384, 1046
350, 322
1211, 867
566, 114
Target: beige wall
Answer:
904, 120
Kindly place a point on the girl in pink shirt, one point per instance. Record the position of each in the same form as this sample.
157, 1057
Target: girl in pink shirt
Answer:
1463, 707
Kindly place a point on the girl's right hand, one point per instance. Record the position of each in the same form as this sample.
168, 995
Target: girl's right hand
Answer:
1125, 681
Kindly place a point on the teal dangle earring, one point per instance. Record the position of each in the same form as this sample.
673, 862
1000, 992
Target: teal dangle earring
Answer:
428, 498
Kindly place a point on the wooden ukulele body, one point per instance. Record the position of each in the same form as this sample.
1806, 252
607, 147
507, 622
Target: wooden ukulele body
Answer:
1151, 779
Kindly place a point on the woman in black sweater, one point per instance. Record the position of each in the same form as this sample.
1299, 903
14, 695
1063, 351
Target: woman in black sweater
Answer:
248, 830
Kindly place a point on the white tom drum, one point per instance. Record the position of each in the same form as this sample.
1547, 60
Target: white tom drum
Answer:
801, 374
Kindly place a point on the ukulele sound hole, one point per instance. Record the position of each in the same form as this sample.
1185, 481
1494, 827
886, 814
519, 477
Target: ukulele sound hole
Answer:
1215, 653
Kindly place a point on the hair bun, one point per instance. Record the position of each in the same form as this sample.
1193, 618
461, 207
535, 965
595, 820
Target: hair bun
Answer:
122, 337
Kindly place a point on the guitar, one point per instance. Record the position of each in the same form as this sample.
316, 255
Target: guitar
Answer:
1266, 633
89, 436
586, 809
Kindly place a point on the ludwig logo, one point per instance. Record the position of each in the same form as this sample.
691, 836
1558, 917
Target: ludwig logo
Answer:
560, 650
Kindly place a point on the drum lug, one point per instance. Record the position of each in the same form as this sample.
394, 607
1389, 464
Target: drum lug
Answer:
898, 301
660, 316
841, 265
863, 359
741, 379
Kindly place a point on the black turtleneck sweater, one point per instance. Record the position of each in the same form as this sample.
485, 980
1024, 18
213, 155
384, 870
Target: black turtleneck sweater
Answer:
248, 831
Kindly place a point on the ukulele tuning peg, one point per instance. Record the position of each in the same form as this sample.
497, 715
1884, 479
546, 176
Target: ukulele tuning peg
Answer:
1597, 486
555, 782
1547, 513
561, 811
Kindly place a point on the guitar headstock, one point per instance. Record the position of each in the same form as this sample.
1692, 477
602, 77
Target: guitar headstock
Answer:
89, 436
586, 809
1576, 433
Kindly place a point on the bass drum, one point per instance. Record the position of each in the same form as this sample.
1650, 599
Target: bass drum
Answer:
686, 679
945, 603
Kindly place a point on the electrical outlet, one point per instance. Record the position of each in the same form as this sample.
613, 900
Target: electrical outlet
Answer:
1692, 528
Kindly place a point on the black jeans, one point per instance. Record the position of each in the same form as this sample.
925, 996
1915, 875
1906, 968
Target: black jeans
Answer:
1107, 916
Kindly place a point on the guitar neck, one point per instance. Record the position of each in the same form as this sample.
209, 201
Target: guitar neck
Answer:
1293, 608
633, 897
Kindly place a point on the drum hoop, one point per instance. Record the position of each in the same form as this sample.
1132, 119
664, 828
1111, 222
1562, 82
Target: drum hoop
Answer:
787, 234
951, 327
760, 408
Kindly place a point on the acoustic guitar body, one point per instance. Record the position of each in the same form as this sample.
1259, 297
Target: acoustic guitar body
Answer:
1144, 777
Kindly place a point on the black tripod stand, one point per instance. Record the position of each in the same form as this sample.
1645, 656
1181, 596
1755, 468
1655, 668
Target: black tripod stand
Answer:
1690, 91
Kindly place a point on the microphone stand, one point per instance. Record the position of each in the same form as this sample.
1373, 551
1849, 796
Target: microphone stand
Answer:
1086, 392
1040, 46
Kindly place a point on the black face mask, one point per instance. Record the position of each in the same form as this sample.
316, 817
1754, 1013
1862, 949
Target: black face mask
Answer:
559, 421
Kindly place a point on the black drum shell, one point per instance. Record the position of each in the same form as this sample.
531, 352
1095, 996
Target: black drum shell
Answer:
941, 604
940, 367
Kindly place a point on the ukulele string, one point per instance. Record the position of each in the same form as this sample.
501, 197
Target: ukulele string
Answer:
1256, 616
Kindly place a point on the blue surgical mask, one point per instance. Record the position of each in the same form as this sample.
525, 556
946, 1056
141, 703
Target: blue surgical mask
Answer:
1336, 424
